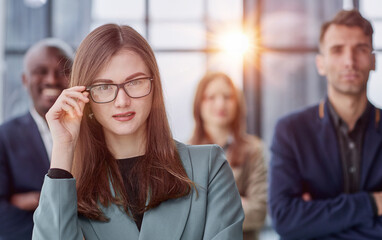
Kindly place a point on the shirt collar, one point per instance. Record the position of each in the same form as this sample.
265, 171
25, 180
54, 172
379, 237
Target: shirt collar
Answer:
43, 129
338, 122
40, 121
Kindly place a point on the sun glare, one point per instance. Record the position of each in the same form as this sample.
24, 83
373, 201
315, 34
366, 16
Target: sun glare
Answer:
234, 42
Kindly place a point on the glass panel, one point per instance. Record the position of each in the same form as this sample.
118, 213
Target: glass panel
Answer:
290, 82
225, 10
230, 64
71, 20
118, 9
176, 9
377, 36
289, 29
24, 25
180, 75
15, 97
371, 8
375, 83
177, 35
295, 23
2, 56
220, 31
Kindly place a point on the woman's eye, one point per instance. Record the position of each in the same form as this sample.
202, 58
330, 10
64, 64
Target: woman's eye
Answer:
103, 87
134, 83
209, 98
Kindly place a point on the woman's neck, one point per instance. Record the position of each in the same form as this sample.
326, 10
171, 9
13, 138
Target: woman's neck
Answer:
219, 135
126, 146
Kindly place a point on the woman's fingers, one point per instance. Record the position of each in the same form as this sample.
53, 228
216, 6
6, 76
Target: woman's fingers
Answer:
74, 100
71, 101
82, 103
79, 95
68, 109
73, 104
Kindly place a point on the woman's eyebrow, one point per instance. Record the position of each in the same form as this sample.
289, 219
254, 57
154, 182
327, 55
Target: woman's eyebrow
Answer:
101, 81
132, 76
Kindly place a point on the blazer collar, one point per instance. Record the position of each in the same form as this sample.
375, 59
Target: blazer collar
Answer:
168, 218
329, 144
372, 139
324, 114
371, 144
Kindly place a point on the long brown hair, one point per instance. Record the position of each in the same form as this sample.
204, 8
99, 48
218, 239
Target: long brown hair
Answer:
160, 174
238, 124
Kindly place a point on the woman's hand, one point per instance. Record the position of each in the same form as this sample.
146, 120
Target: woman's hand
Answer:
64, 119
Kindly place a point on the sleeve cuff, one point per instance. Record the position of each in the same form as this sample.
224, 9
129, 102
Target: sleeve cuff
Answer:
373, 204
58, 173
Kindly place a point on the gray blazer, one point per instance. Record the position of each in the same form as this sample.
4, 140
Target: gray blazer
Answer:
216, 213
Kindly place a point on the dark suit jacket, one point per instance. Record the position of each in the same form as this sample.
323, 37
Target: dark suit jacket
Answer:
23, 165
306, 158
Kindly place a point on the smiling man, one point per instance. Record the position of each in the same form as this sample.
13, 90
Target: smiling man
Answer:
25, 142
325, 174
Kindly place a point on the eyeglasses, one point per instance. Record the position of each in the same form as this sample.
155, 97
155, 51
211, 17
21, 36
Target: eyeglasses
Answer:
104, 93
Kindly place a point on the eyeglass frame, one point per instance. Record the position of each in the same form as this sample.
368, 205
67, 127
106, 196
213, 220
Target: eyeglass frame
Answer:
119, 86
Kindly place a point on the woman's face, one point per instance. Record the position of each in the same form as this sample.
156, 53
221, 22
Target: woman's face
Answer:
124, 115
218, 105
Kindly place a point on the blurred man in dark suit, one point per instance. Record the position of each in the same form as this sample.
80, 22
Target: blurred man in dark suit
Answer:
25, 141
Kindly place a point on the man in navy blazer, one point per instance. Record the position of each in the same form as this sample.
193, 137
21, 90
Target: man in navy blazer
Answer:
326, 166
25, 141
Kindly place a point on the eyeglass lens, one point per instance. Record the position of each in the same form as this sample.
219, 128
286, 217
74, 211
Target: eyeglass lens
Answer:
104, 93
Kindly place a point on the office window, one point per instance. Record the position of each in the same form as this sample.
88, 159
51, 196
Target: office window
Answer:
185, 37
130, 12
288, 77
371, 10
26, 24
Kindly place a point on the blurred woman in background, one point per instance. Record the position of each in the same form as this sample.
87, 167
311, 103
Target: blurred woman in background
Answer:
219, 113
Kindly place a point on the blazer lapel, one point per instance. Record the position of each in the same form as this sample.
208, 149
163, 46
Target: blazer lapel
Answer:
120, 226
168, 220
165, 222
330, 146
372, 142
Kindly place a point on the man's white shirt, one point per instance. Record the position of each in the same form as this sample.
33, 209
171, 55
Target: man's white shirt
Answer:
44, 131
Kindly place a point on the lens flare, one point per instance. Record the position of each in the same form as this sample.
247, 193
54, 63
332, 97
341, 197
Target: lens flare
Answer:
234, 43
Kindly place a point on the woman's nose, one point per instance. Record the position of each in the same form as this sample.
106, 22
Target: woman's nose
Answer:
122, 99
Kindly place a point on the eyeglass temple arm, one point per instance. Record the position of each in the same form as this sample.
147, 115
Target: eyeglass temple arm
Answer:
87, 89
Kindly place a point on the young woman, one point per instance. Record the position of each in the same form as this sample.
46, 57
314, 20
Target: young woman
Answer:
131, 179
219, 115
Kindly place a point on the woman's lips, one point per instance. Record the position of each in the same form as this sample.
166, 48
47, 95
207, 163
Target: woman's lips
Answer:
221, 114
127, 116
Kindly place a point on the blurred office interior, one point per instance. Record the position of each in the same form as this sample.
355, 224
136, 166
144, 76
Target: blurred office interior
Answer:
267, 46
